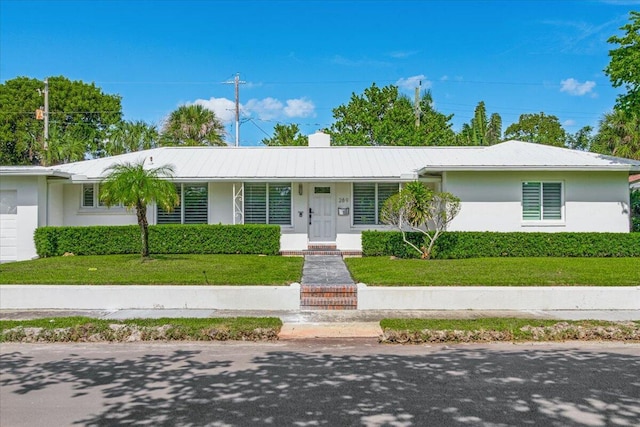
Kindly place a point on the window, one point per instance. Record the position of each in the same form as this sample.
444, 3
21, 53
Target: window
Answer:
267, 203
8, 202
541, 201
88, 195
368, 200
91, 196
193, 207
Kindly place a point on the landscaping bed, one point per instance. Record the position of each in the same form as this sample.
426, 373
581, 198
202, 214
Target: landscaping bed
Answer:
431, 331
86, 329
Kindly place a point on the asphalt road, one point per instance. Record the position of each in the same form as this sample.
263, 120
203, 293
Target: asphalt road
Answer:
354, 382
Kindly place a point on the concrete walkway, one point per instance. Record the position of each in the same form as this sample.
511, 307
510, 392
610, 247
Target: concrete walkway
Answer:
325, 270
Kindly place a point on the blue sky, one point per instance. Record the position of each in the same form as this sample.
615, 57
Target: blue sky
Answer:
302, 59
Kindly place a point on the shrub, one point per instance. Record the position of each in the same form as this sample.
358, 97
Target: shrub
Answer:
461, 244
163, 239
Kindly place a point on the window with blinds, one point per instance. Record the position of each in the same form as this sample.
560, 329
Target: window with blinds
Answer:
267, 203
195, 204
193, 207
541, 201
385, 191
88, 196
368, 199
280, 204
255, 203
174, 216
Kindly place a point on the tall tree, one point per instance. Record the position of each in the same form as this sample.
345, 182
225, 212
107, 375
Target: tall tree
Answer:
136, 187
481, 131
286, 135
192, 125
619, 135
624, 65
538, 128
581, 140
129, 136
71, 104
382, 116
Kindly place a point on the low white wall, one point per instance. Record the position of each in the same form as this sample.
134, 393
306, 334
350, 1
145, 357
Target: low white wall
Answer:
499, 298
150, 297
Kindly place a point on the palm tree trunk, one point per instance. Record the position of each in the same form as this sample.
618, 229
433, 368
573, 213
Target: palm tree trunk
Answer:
141, 211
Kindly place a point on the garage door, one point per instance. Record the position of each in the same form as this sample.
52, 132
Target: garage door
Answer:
8, 225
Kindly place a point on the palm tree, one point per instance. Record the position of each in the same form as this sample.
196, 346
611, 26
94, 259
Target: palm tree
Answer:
136, 187
131, 136
619, 134
193, 125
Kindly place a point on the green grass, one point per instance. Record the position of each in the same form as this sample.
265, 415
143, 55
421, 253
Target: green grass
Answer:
418, 331
486, 323
159, 270
384, 271
80, 328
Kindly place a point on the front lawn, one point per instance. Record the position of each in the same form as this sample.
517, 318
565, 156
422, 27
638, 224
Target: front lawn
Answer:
160, 270
496, 271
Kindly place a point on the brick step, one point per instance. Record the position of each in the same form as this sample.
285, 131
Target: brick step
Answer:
333, 303
322, 252
328, 288
329, 297
322, 247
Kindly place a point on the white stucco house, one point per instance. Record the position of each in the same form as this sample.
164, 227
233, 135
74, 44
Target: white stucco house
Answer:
327, 195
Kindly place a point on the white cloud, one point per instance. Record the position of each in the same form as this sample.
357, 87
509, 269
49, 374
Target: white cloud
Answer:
301, 107
569, 123
575, 88
265, 109
410, 83
223, 108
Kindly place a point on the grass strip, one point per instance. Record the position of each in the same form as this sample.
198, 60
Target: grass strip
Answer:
386, 271
420, 331
86, 329
159, 270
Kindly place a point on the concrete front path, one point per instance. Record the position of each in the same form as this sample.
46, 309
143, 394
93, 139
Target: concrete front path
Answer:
325, 270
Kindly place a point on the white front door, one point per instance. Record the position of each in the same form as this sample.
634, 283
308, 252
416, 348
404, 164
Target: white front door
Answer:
322, 213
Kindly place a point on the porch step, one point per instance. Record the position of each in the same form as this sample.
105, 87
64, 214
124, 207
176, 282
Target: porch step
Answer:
335, 252
328, 297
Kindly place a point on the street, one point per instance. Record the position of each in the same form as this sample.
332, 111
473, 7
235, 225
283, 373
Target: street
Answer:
351, 382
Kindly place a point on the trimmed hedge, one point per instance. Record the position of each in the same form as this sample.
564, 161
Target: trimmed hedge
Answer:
163, 239
463, 244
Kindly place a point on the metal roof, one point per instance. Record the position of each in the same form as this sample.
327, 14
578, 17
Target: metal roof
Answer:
32, 171
349, 163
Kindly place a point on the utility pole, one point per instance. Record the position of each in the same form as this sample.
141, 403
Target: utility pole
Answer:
42, 113
417, 103
237, 82
46, 113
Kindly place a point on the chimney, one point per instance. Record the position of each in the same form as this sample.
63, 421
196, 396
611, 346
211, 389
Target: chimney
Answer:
320, 139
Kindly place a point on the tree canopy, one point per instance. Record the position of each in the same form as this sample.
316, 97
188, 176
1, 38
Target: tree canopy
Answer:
286, 135
624, 65
539, 128
481, 131
79, 116
619, 135
382, 116
129, 136
192, 125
